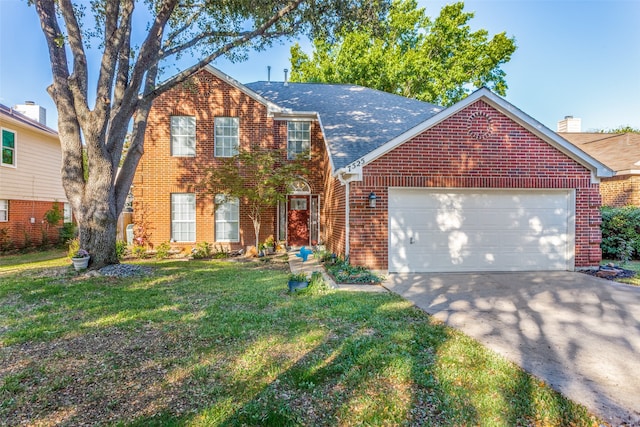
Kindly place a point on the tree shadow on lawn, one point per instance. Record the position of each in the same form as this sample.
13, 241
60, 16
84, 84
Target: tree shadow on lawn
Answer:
209, 346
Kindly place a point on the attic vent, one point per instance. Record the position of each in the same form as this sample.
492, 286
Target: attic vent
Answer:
285, 76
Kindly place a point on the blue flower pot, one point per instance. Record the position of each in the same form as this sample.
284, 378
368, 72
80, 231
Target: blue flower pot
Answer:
293, 286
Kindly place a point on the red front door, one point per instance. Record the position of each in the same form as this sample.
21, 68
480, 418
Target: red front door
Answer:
298, 219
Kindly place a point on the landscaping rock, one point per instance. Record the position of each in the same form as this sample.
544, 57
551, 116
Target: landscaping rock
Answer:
125, 270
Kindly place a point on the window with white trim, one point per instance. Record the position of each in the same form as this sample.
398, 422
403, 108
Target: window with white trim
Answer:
4, 210
298, 138
226, 138
183, 217
183, 136
227, 219
67, 214
8, 147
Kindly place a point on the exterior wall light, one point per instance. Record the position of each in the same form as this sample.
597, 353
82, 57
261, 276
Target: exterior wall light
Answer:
372, 199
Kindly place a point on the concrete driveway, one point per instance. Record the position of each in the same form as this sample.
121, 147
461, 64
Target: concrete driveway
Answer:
578, 333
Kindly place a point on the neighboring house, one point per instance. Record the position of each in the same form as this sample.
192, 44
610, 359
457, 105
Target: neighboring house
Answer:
621, 153
30, 180
395, 184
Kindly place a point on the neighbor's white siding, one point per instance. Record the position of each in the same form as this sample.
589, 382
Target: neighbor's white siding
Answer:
38, 162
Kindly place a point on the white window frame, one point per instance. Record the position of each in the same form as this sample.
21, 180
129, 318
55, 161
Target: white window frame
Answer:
13, 149
298, 138
67, 213
183, 136
183, 212
227, 213
4, 210
226, 132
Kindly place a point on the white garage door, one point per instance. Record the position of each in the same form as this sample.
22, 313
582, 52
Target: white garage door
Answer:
449, 230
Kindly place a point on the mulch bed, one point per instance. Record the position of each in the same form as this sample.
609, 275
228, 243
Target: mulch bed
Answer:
610, 272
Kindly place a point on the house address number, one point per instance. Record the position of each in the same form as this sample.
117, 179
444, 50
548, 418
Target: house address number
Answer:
355, 165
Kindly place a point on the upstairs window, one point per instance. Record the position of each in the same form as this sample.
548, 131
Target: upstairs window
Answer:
298, 139
227, 219
226, 138
183, 136
4, 210
8, 147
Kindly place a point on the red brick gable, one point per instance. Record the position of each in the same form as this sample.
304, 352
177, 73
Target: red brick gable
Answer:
477, 147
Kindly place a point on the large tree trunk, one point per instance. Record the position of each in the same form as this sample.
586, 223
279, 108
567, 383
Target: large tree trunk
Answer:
99, 239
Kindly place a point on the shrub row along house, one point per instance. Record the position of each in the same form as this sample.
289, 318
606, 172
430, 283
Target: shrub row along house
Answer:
393, 183
30, 180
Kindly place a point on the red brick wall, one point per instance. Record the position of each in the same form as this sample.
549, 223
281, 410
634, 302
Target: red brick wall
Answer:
19, 232
448, 155
620, 191
159, 174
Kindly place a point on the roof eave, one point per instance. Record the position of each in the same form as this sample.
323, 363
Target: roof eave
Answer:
41, 129
598, 169
272, 107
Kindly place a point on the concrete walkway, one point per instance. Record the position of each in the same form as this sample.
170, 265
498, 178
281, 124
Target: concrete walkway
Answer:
296, 265
578, 333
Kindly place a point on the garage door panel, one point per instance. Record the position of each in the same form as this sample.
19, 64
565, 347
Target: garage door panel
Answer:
475, 230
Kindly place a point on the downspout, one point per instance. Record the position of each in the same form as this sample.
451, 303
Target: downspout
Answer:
347, 220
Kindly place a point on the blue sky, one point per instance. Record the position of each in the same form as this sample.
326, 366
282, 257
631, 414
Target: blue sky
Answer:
579, 58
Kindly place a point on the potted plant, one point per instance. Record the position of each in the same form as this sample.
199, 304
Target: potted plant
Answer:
80, 259
269, 244
298, 281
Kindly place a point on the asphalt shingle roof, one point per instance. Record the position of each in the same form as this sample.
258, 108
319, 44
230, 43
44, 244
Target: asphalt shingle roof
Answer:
356, 120
619, 151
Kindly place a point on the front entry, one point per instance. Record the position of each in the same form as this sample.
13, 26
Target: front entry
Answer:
298, 220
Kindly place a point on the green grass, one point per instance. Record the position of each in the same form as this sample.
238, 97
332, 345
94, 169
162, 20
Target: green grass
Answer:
218, 343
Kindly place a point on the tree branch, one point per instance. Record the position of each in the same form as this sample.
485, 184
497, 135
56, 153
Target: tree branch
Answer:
79, 77
261, 30
68, 125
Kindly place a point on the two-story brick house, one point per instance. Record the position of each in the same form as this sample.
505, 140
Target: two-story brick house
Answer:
395, 184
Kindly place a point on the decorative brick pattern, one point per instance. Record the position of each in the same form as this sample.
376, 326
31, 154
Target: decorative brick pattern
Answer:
451, 154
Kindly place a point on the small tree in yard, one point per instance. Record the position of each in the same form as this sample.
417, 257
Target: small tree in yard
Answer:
259, 176
128, 73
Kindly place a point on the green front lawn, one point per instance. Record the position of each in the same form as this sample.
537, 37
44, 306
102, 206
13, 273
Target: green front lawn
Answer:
221, 343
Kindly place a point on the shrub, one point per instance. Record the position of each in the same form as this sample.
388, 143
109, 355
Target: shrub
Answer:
53, 215
162, 251
298, 277
67, 232
201, 251
620, 232
139, 251
347, 273
74, 247
121, 249
5, 240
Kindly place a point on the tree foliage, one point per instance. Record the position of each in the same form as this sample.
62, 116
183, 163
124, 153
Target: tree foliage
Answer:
135, 40
621, 129
620, 232
257, 176
410, 54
